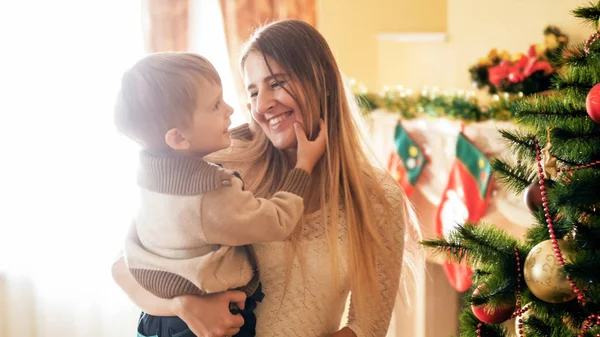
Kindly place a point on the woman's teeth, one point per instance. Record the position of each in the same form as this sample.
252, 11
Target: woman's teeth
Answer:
279, 118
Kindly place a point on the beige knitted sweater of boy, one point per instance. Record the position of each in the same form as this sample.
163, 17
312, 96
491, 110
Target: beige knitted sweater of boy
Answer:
305, 302
194, 223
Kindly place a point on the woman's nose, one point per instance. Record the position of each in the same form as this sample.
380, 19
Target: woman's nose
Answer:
264, 102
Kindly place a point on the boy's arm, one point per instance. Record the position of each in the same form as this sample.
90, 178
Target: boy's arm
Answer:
233, 217
205, 315
139, 296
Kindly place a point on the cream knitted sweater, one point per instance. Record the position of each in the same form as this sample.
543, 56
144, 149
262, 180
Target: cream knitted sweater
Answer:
311, 306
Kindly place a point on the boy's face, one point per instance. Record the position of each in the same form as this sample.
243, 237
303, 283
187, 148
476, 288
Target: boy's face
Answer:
208, 131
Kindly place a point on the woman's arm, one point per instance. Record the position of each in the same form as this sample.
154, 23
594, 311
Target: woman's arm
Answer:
205, 316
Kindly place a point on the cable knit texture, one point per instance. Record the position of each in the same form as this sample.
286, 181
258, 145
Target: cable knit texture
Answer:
195, 222
313, 306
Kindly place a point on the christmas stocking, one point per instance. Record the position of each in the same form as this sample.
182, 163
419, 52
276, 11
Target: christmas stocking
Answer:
406, 163
465, 199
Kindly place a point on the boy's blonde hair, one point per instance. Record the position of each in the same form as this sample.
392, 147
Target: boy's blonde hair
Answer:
160, 92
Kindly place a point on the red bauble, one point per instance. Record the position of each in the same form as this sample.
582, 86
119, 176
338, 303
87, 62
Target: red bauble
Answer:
533, 197
492, 316
592, 103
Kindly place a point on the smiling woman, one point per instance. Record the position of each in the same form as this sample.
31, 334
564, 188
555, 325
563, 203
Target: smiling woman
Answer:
275, 103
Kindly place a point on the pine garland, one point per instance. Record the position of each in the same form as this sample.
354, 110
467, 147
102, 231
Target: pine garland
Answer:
458, 106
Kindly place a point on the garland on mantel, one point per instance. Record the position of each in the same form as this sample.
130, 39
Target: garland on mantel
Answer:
459, 105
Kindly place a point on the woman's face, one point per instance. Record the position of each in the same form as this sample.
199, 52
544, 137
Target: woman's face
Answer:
272, 107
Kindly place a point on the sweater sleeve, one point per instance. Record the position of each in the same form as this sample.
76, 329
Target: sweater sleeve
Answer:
376, 321
242, 132
233, 217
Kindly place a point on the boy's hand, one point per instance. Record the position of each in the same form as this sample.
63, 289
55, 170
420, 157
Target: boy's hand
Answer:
309, 152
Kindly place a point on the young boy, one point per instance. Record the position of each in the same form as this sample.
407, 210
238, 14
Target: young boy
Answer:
195, 223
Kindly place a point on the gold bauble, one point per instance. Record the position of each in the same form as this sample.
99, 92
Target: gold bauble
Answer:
544, 276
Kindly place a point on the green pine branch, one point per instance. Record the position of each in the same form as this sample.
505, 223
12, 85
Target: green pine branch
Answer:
575, 56
572, 145
543, 112
536, 327
584, 75
491, 252
593, 293
589, 14
576, 142
560, 318
588, 230
469, 325
584, 266
539, 233
478, 244
500, 289
533, 326
452, 251
580, 191
519, 142
514, 177
480, 273
576, 148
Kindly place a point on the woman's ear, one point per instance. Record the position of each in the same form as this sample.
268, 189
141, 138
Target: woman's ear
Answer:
176, 140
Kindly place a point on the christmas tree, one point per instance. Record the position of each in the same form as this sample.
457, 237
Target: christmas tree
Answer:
549, 281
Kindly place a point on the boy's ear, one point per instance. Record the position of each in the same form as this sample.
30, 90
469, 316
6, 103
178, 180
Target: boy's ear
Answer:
176, 140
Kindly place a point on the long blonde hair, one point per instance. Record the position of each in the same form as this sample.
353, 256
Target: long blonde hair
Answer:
343, 176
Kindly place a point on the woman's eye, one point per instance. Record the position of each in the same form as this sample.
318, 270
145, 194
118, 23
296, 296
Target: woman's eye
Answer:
276, 84
253, 94
217, 105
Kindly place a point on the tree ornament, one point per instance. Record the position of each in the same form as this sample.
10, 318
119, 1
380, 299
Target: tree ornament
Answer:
533, 195
544, 275
527, 312
550, 170
489, 315
592, 103
590, 41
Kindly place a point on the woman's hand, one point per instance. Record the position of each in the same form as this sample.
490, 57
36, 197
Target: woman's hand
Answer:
209, 316
345, 332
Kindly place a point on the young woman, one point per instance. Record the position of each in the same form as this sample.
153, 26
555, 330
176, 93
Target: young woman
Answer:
352, 236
